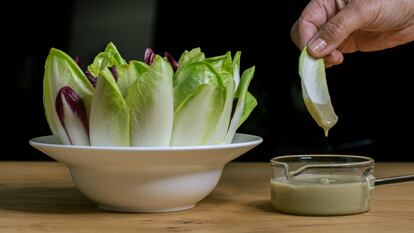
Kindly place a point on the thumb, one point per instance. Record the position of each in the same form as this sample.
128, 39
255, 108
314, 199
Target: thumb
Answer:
335, 31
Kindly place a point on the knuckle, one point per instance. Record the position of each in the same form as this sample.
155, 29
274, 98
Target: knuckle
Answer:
334, 30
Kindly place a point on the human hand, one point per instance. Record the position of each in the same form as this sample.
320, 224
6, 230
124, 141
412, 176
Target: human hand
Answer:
333, 27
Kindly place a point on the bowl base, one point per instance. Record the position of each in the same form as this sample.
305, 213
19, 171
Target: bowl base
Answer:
139, 210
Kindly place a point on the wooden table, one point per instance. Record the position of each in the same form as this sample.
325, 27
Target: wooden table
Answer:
41, 197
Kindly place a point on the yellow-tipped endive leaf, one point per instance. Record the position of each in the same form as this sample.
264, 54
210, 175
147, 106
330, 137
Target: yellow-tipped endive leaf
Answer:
128, 74
109, 57
315, 91
151, 103
109, 119
225, 67
199, 100
62, 71
245, 104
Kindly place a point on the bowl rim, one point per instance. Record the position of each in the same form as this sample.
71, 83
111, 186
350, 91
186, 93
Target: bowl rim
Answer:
255, 140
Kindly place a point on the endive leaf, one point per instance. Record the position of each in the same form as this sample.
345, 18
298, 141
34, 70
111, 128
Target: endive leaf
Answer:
187, 58
149, 56
194, 55
109, 118
249, 104
60, 71
315, 91
128, 74
72, 115
150, 100
195, 122
243, 107
199, 99
107, 58
224, 67
171, 60
236, 66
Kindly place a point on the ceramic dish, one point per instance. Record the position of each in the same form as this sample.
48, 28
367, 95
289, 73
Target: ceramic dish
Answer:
146, 179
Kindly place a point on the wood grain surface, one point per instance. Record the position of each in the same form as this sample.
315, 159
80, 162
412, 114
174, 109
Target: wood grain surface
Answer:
41, 197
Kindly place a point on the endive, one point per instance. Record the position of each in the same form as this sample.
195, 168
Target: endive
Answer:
158, 102
204, 91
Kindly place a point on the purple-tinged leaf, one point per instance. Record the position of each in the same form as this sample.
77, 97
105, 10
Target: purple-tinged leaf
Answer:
92, 79
72, 115
171, 60
149, 56
78, 61
114, 72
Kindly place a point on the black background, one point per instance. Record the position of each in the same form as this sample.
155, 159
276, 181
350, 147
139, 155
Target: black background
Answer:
371, 92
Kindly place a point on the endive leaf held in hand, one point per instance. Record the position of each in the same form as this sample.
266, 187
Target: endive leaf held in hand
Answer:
109, 118
150, 100
60, 71
315, 91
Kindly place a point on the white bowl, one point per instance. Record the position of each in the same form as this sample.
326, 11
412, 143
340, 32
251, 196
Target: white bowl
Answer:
146, 179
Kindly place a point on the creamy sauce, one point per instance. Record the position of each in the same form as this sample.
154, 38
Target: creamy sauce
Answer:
321, 195
323, 114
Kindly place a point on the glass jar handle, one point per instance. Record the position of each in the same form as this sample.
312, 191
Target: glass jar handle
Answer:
394, 179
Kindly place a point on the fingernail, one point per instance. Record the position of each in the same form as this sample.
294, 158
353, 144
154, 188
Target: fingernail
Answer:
317, 45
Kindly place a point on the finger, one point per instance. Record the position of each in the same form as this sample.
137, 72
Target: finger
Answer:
302, 32
367, 41
314, 16
334, 58
336, 30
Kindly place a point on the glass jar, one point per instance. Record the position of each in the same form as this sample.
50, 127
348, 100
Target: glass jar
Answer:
322, 184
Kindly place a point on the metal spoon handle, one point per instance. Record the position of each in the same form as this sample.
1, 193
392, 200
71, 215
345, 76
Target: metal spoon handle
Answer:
394, 179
